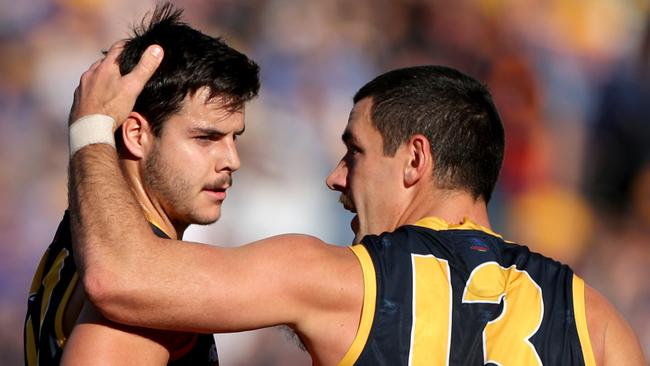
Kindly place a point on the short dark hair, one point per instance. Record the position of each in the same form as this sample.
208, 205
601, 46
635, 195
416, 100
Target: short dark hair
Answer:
192, 60
453, 111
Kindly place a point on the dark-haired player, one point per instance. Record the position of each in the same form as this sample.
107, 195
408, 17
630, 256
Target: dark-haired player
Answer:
177, 152
428, 282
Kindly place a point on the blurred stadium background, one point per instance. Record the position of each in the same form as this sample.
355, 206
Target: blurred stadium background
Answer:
571, 79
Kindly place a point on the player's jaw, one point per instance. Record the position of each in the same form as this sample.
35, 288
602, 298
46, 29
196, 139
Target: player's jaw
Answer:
207, 208
185, 194
348, 204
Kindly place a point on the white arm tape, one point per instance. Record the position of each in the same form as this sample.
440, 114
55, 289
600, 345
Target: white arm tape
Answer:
91, 129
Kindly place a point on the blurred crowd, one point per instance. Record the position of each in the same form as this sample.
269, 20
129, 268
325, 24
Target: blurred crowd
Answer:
571, 79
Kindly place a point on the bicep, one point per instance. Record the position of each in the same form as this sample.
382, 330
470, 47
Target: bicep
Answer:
613, 340
98, 341
622, 345
201, 288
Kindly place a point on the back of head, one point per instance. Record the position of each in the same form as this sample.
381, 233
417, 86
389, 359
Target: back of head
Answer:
192, 60
453, 111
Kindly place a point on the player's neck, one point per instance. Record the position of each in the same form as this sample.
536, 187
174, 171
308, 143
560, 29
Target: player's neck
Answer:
454, 207
152, 209
156, 215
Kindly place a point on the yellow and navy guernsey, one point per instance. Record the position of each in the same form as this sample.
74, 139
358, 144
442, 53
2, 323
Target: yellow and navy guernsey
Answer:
52, 286
437, 294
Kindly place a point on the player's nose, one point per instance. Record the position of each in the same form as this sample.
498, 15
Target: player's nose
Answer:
231, 158
337, 179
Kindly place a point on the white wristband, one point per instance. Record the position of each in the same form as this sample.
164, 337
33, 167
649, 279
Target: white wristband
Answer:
91, 129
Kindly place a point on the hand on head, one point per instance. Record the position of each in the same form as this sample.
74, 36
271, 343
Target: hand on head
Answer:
103, 90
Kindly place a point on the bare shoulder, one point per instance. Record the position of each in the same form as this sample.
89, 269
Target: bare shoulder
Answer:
326, 265
612, 339
303, 267
302, 242
329, 285
305, 252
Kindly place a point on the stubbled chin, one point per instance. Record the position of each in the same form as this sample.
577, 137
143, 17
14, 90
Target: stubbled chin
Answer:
354, 225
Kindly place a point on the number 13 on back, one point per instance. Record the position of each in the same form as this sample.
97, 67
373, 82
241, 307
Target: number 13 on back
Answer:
506, 338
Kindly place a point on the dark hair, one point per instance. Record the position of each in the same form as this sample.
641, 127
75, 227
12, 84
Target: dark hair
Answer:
455, 113
192, 60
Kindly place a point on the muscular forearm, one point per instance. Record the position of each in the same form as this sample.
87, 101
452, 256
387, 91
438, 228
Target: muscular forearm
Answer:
107, 224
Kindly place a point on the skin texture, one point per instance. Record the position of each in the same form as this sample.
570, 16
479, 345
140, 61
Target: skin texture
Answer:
202, 133
297, 280
173, 194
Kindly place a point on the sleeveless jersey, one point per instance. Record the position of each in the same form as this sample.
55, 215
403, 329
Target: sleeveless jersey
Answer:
460, 295
53, 284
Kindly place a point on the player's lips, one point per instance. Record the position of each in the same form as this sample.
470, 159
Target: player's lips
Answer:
217, 188
219, 194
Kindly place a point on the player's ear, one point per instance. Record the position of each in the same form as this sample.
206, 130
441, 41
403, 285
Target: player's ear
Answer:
418, 160
136, 135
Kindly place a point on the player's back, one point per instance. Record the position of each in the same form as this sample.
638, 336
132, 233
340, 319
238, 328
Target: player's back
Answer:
463, 296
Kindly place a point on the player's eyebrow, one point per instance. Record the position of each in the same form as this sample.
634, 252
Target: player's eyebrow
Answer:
346, 136
211, 131
240, 132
